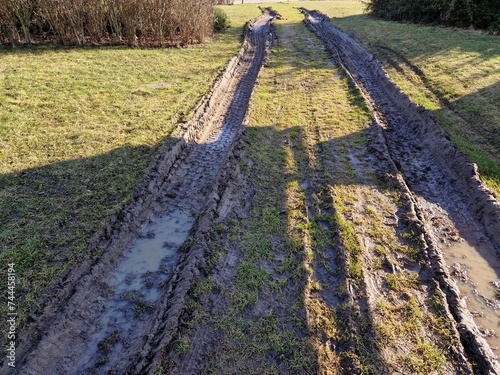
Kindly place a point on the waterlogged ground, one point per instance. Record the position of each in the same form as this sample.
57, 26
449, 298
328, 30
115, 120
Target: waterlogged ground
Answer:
333, 269
323, 230
477, 270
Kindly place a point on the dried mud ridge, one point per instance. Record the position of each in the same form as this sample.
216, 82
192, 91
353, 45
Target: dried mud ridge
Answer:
112, 314
442, 187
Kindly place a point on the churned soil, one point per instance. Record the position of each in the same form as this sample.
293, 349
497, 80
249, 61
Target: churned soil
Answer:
374, 286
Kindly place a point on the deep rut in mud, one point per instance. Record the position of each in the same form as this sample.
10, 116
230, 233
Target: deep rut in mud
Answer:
127, 310
449, 203
117, 312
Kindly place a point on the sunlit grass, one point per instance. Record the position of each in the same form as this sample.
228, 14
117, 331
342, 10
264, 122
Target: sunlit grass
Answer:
458, 75
454, 74
78, 128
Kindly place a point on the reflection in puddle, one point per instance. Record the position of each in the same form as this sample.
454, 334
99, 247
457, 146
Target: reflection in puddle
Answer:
147, 263
135, 288
476, 270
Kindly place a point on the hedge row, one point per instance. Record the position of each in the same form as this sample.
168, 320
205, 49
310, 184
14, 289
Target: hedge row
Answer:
138, 22
480, 14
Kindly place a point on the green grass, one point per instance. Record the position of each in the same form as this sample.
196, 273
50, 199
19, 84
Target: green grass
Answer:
73, 145
78, 127
454, 74
458, 76
300, 104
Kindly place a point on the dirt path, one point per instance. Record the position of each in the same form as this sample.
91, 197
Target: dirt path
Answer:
319, 238
345, 273
450, 204
112, 319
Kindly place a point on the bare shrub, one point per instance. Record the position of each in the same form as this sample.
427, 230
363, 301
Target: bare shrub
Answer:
95, 19
8, 29
139, 22
53, 11
13, 12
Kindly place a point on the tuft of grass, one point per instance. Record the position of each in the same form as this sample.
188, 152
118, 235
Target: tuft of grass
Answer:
201, 287
250, 277
402, 281
424, 358
349, 240
183, 346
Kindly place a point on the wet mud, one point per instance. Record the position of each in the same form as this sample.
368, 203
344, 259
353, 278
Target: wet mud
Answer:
476, 272
113, 311
123, 310
448, 203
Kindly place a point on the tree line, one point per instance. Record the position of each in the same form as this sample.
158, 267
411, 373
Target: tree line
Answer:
480, 14
79, 22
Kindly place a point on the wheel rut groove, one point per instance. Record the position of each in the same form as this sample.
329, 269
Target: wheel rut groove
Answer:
115, 311
443, 188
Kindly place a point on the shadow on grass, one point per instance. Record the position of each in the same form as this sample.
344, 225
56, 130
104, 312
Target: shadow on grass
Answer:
49, 214
471, 121
479, 135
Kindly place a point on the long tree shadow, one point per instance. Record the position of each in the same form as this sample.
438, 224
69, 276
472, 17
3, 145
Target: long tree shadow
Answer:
420, 41
337, 165
51, 216
48, 215
401, 46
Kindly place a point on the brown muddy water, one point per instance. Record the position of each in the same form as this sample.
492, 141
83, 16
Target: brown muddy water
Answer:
134, 287
477, 273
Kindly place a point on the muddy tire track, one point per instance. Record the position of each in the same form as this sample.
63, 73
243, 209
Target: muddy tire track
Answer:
110, 316
445, 198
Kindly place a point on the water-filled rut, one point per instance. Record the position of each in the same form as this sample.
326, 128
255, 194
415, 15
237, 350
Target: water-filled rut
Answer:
450, 207
113, 309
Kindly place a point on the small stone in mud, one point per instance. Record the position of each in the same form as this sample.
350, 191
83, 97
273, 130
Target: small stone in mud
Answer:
488, 332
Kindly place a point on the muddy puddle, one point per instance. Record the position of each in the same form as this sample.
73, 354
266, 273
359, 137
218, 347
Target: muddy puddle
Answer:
477, 273
148, 262
134, 288
114, 316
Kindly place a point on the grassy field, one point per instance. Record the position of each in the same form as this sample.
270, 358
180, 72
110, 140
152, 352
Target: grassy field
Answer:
78, 127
